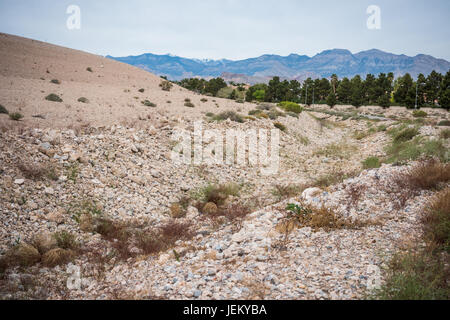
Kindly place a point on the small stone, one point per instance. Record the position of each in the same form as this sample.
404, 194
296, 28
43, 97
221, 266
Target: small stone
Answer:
197, 293
19, 181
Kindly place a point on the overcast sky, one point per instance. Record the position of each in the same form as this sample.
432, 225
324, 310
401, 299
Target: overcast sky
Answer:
233, 29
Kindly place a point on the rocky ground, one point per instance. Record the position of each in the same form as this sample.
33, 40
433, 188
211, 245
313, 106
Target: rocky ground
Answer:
129, 173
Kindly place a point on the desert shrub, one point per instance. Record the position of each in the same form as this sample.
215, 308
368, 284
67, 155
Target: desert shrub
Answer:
371, 163
204, 100
15, 116
187, 100
65, 240
89, 69
291, 106
445, 134
22, 254
233, 116
57, 256
415, 276
150, 242
419, 114
53, 97
84, 207
427, 174
83, 100
217, 194
444, 123
210, 114
147, 103
436, 220
280, 126
406, 135
304, 215
142, 90
166, 85
382, 128
336, 150
189, 105
55, 81
3, 110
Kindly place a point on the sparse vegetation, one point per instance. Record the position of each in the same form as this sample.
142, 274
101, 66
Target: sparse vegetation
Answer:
55, 81
419, 114
147, 103
371, 163
53, 97
83, 100
445, 134
189, 105
280, 126
291, 107
15, 116
166, 85
89, 69
141, 90
233, 116
3, 110
422, 273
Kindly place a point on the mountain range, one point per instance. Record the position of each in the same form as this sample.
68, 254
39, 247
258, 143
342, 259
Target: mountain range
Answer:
337, 61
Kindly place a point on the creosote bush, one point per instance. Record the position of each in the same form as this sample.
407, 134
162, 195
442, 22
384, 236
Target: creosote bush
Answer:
280, 126
53, 97
15, 116
147, 103
233, 116
3, 110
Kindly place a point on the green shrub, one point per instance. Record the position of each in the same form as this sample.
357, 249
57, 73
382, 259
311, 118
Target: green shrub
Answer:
233, 116
65, 240
291, 106
210, 114
406, 135
3, 110
444, 123
53, 97
415, 276
189, 105
83, 100
16, 116
55, 81
371, 163
148, 104
419, 114
280, 126
204, 100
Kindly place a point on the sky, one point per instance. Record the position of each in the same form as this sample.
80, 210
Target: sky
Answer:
233, 29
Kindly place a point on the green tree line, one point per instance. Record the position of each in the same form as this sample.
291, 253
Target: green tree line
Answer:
384, 90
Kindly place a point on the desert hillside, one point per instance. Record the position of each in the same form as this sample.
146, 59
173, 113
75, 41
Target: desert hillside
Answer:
91, 185
28, 67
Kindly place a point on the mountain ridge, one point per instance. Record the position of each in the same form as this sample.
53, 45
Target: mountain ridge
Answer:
342, 62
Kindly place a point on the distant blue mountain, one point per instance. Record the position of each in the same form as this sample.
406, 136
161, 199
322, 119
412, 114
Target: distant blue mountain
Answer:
339, 61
